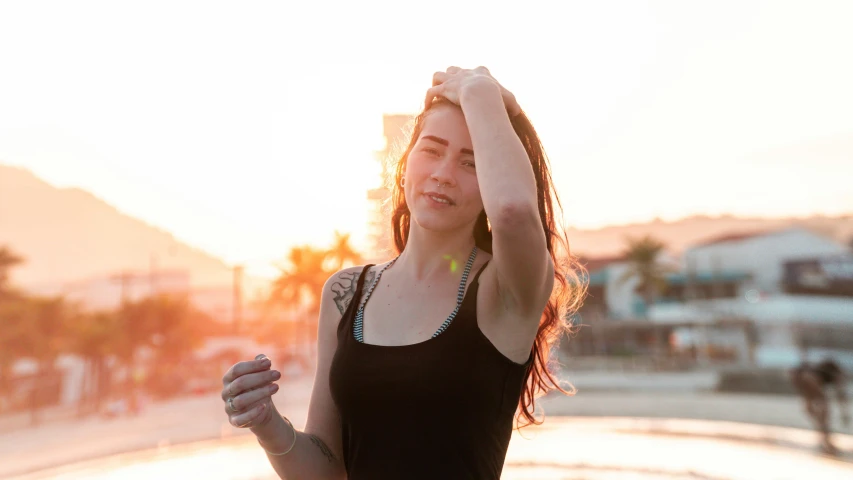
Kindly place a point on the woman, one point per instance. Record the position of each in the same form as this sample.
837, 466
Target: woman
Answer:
422, 363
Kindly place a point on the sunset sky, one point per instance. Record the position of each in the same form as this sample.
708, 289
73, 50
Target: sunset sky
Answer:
245, 128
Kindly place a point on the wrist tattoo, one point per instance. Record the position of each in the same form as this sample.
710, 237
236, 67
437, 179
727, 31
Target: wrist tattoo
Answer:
323, 448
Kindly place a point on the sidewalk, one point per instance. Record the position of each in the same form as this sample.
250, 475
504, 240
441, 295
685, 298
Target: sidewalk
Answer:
200, 418
628, 381
771, 410
162, 424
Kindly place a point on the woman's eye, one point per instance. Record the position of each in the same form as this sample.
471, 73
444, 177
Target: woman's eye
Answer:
431, 151
469, 164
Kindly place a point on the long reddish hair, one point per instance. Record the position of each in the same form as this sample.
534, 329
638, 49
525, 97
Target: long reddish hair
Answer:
569, 288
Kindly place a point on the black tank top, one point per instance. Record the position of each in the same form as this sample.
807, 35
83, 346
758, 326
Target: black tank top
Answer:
439, 409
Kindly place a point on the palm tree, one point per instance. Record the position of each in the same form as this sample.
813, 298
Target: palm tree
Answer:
643, 257
301, 284
298, 290
342, 252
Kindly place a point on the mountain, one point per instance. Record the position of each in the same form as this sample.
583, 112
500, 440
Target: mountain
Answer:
68, 234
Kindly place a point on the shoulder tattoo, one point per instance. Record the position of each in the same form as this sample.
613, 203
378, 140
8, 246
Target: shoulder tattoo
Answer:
344, 287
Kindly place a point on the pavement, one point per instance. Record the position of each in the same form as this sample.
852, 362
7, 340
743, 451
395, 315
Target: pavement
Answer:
599, 448
776, 421
769, 410
159, 426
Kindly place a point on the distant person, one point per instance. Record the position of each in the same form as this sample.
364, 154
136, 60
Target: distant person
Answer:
812, 382
424, 361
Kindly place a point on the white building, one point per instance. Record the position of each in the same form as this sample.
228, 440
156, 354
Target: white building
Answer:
781, 318
760, 294
107, 291
395, 129
760, 254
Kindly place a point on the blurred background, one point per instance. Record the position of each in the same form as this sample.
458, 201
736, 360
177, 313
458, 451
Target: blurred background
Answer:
178, 179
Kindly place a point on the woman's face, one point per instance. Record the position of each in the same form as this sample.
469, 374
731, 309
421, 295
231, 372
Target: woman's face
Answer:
440, 178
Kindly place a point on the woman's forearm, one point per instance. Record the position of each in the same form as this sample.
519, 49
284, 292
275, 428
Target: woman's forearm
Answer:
503, 169
309, 459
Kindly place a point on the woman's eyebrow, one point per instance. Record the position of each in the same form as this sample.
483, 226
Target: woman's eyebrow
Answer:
446, 143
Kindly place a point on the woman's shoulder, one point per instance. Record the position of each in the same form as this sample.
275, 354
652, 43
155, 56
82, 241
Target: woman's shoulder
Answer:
351, 274
341, 286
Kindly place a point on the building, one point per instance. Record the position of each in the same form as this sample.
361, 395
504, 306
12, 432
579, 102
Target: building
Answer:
771, 296
395, 130
761, 254
820, 276
108, 291
762, 267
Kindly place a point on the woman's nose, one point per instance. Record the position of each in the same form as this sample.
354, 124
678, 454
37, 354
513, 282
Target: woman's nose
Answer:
444, 175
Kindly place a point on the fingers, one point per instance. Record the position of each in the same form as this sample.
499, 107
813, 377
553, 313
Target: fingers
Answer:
246, 401
249, 382
453, 70
432, 93
439, 77
242, 368
245, 419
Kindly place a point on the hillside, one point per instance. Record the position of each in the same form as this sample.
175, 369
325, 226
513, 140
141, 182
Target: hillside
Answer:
69, 234
682, 233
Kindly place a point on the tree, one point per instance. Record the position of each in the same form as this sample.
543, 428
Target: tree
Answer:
45, 335
342, 252
95, 336
301, 283
642, 255
12, 318
178, 329
298, 289
8, 260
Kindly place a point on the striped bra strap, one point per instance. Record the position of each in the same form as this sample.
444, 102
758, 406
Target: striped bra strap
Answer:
358, 327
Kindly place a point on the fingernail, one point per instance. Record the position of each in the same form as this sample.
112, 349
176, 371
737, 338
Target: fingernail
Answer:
274, 388
260, 356
276, 375
266, 362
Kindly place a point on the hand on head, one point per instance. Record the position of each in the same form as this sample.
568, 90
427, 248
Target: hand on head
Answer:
451, 83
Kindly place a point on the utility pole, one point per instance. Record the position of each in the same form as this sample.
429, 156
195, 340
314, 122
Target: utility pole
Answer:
152, 274
123, 279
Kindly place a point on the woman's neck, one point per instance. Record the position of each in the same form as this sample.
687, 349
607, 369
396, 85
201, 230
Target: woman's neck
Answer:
428, 254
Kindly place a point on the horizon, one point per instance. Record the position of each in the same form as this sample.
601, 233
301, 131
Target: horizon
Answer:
242, 146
